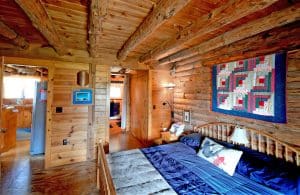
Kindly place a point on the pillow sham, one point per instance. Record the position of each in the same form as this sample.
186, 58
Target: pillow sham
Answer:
267, 170
222, 157
192, 140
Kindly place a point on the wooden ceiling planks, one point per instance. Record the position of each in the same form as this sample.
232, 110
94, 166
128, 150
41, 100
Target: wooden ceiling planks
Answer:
40, 19
120, 21
16, 19
172, 27
217, 19
160, 14
173, 40
70, 20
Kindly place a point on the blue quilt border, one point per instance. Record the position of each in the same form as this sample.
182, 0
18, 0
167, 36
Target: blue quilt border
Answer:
280, 94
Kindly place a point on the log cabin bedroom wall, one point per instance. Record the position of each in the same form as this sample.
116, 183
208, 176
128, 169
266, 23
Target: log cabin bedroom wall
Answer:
166, 47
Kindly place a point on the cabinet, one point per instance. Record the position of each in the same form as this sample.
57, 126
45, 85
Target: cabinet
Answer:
9, 123
24, 116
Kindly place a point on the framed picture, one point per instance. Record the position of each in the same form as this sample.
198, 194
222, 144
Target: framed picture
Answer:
82, 96
187, 116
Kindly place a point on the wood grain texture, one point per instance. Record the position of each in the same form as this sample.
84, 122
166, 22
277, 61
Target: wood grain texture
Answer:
139, 107
10, 34
72, 123
158, 16
276, 19
215, 20
98, 11
42, 21
9, 123
193, 91
160, 114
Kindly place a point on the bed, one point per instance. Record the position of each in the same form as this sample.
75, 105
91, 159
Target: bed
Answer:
177, 168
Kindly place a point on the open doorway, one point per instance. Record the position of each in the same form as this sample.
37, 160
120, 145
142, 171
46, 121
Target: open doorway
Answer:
116, 104
24, 108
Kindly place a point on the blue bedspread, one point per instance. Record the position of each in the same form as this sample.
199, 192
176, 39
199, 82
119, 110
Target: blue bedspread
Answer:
189, 174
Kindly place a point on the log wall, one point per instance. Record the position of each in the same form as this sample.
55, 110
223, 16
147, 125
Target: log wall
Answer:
194, 91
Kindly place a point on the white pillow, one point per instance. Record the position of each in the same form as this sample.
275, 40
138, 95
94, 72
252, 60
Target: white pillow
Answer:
222, 157
177, 128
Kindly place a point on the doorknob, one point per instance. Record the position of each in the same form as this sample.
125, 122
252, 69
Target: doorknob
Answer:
3, 130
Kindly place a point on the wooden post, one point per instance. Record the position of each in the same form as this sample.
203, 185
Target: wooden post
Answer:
49, 116
91, 116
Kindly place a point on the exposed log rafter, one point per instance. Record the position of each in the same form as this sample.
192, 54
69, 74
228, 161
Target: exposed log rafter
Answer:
14, 37
216, 20
157, 17
276, 19
98, 11
41, 21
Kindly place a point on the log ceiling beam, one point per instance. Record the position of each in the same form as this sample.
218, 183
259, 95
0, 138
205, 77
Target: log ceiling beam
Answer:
274, 20
98, 11
40, 19
11, 35
79, 56
160, 14
219, 18
284, 38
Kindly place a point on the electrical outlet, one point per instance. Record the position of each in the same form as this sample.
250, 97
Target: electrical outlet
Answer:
59, 110
65, 141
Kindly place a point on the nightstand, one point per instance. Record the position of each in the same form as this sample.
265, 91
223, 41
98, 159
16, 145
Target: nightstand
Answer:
167, 137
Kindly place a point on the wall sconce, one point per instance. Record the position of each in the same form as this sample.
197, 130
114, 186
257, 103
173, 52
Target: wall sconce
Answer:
171, 107
82, 78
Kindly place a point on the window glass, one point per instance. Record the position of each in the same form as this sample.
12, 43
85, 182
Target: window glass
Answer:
19, 87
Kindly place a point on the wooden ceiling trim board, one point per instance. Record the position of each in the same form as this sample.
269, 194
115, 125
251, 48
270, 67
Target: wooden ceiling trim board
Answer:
98, 11
159, 15
15, 38
79, 56
41, 20
276, 19
218, 18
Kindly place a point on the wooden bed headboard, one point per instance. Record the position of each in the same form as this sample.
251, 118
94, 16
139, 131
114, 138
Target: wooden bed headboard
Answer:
258, 140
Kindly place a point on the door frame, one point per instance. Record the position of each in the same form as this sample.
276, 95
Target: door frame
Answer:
50, 65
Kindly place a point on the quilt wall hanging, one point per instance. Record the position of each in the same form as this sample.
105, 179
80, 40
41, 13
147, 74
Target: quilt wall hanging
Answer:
252, 88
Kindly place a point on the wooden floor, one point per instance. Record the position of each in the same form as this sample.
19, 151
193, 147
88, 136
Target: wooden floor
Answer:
123, 141
23, 174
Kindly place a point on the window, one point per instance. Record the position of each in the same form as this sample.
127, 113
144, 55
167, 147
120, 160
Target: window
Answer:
116, 90
19, 87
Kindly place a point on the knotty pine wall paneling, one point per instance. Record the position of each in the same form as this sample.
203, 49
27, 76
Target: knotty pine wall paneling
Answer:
72, 123
75, 122
161, 114
194, 91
